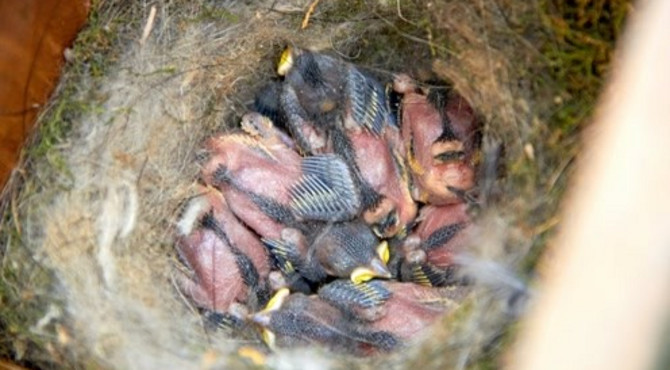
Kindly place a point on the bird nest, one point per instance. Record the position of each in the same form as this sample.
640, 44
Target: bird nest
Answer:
88, 250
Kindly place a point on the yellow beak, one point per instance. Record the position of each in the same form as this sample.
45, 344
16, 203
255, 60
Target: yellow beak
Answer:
377, 269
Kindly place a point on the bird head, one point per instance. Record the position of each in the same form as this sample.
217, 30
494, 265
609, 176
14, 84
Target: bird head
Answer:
264, 317
376, 268
384, 219
287, 59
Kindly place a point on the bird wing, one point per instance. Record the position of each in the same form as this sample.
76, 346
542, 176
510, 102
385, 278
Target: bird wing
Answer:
367, 101
284, 254
326, 191
442, 236
427, 274
344, 294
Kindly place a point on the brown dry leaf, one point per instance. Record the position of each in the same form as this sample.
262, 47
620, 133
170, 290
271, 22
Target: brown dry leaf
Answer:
33, 35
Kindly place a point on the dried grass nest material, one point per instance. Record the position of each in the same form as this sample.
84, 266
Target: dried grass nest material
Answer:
87, 256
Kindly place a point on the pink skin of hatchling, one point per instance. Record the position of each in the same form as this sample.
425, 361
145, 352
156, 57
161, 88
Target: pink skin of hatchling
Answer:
432, 218
262, 164
412, 308
421, 127
375, 161
216, 283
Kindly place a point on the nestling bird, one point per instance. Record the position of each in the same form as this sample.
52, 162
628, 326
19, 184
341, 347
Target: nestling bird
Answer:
324, 209
346, 250
386, 200
399, 309
298, 320
312, 97
332, 106
439, 134
274, 191
229, 263
412, 308
428, 253
362, 319
443, 231
410, 265
269, 186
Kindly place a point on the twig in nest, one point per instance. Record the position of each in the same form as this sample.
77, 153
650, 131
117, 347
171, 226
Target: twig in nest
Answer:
149, 25
433, 53
308, 14
15, 213
397, 3
412, 37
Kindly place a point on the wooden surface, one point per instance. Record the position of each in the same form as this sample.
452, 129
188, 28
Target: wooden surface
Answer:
605, 301
33, 35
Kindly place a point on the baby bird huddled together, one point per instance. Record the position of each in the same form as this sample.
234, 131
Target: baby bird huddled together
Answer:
332, 215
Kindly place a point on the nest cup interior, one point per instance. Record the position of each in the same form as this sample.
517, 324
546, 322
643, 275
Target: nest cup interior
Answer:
88, 262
